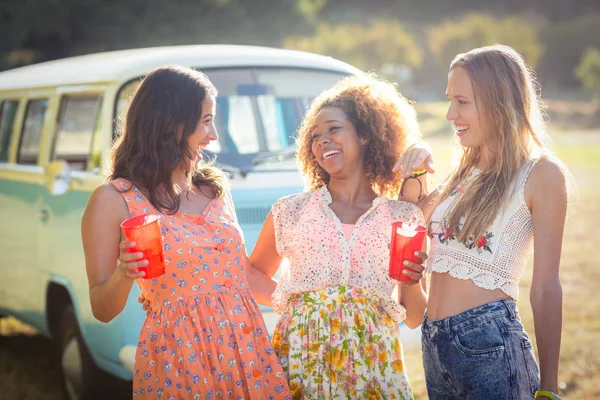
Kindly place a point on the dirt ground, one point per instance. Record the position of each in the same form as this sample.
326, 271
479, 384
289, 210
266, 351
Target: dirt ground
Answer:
28, 364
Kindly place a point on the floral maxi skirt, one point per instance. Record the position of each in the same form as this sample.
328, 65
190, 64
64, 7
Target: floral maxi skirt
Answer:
339, 343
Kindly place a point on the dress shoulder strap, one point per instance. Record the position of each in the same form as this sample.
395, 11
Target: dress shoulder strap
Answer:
136, 202
122, 185
524, 175
526, 171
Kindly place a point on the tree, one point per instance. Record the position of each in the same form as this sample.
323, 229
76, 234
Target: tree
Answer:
38, 30
368, 47
588, 71
565, 43
475, 30
432, 11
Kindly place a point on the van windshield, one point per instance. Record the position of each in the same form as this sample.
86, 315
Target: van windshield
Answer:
259, 111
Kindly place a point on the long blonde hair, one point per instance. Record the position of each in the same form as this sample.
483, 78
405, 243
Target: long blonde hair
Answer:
507, 95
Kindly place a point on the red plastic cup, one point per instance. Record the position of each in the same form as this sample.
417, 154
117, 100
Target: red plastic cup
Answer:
144, 230
406, 239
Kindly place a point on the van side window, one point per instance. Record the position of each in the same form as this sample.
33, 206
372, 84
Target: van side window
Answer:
29, 146
8, 110
124, 98
76, 123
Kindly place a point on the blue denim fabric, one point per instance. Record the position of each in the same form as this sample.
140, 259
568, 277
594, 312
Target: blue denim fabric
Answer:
482, 353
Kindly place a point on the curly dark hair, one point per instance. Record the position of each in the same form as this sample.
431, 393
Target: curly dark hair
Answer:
380, 115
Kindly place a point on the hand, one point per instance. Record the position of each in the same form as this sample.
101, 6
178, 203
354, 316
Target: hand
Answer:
416, 158
145, 304
130, 262
416, 270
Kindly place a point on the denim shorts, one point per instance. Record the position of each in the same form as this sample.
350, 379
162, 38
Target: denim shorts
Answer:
482, 353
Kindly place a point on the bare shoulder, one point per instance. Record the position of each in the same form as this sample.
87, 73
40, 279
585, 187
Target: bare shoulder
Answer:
548, 179
106, 200
548, 173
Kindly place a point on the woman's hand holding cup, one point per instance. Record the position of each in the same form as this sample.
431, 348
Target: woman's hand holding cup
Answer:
131, 262
413, 270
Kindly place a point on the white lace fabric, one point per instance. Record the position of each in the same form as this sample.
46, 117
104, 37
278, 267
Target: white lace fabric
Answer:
498, 259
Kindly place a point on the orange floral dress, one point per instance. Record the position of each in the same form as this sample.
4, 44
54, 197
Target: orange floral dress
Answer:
205, 337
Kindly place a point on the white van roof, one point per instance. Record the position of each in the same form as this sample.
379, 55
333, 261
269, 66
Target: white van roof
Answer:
124, 65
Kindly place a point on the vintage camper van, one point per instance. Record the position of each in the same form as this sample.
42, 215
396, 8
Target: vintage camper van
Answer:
57, 122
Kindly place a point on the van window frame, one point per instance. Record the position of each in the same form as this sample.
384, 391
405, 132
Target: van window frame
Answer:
10, 133
115, 111
28, 101
115, 105
64, 98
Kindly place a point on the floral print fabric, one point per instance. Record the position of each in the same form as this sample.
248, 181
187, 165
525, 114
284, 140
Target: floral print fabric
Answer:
340, 343
205, 337
481, 245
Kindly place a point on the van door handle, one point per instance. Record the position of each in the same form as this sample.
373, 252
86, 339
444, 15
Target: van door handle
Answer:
42, 215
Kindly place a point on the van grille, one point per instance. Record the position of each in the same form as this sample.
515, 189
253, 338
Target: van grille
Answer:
252, 215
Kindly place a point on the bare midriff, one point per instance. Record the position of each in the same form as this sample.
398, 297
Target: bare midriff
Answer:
450, 296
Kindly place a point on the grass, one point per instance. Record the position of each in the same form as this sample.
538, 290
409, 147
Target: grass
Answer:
579, 372
564, 116
28, 370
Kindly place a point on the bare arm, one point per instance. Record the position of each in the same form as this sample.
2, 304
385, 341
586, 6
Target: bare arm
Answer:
428, 204
414, 189
418, 157
546, 195
265, 261
414, 297
101, 233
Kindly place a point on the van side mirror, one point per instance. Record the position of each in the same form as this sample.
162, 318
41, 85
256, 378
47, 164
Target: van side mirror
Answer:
57, 177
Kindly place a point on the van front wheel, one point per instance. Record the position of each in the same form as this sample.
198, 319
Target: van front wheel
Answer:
82, 379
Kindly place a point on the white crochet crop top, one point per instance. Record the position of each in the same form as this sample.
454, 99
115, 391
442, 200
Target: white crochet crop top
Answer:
496, 260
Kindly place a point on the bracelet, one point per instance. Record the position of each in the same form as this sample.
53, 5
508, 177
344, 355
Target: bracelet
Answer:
548, 394
416, 174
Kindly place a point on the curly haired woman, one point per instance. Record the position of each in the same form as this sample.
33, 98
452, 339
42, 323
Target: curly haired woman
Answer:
337, 336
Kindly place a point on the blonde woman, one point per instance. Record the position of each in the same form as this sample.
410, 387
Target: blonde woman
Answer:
507, 196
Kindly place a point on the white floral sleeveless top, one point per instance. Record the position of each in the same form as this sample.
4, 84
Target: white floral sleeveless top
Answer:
312, 238
495, 260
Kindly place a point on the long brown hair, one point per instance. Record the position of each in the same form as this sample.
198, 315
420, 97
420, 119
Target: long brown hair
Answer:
168, 102
380, 115
506, 94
